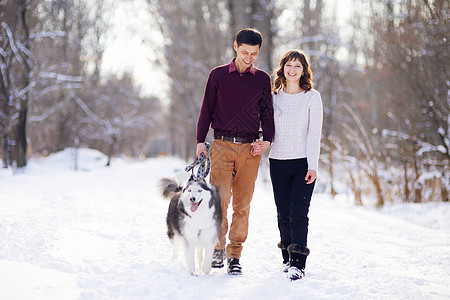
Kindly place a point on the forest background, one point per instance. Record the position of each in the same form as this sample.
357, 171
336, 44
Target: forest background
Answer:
382, 74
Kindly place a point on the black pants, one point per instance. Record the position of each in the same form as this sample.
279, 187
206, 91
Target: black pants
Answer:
292, 198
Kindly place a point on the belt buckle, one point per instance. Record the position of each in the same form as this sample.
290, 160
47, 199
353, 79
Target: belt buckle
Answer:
234, 141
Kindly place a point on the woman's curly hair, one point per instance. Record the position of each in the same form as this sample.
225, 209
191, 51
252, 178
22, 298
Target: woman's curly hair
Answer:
305, 80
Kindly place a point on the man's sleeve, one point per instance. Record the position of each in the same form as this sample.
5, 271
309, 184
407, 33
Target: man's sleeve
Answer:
207, 109
266, 112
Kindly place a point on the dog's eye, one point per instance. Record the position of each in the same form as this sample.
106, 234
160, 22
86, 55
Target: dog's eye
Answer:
199, 190
189, 190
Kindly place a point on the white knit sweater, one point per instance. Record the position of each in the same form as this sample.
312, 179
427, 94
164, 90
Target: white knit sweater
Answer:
298, 126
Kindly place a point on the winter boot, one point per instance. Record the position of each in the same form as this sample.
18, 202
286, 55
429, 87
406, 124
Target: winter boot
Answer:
234, 268
218, 258
297, 261
285, 255
295, 273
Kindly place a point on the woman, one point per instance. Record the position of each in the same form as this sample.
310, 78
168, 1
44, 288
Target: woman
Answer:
294, 156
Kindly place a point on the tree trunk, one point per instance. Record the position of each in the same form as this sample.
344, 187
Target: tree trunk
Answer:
14, 118
4, 121
239, 18
111, 150
19, 136
417, 185
444, 192
356, 190
63, 119
259, 15
377, 185
262, 16
330, 165
405, 176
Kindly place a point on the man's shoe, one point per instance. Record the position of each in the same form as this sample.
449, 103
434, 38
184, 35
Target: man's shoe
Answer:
295, 273
218, 257
234, 268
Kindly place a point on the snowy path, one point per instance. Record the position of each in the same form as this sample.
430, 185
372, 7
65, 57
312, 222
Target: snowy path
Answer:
99, 233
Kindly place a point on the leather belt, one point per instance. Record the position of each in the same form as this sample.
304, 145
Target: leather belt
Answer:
235, 140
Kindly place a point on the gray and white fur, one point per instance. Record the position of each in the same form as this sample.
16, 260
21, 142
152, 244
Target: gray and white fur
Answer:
193, 220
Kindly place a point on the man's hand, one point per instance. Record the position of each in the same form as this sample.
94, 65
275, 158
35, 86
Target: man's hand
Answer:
311, 175
201, 148
259, 147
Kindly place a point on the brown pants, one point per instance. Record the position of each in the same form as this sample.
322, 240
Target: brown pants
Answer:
234, 171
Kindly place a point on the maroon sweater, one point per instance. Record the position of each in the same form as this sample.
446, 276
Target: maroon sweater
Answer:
236, 104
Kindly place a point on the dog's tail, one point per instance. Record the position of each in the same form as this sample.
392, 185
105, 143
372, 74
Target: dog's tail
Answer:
168, 187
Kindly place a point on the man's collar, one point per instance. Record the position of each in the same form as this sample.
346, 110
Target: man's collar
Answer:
233, 68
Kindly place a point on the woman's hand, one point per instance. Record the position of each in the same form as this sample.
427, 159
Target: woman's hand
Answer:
311, 175
259, 147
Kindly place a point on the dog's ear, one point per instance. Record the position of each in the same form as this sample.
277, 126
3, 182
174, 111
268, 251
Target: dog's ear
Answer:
202, 182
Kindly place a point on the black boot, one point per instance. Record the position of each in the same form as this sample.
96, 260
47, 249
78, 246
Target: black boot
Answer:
285, 255
297, 261
234, 267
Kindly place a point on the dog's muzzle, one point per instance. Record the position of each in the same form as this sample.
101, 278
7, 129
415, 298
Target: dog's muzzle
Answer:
195, 205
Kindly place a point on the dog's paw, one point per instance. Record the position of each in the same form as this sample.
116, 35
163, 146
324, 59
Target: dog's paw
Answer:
206, 269
193, 274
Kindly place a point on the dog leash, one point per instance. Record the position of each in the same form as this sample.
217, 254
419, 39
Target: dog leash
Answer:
203, 163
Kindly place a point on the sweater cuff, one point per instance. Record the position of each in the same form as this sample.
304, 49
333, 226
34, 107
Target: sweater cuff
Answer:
313, 165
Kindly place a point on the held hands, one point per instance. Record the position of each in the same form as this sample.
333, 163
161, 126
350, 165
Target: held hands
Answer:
201, 148
259, 147
311, 175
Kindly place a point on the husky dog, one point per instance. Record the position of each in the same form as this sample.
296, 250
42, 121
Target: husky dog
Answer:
194, 220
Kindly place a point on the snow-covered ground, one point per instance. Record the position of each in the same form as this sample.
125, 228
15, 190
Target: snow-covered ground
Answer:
99, 233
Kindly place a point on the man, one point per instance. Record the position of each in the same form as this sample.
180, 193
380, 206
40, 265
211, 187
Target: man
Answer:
236, 104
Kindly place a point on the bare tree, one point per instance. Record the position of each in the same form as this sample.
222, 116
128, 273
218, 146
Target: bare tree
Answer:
414, 55
115, 119
258, 14
397, 89
197, 37
15, 83
70, 106
69, 47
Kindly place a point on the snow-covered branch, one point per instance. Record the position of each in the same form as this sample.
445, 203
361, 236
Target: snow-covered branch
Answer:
49, 34
424, 146
12, 43
60, 77
47, 114
361, 128
88, 111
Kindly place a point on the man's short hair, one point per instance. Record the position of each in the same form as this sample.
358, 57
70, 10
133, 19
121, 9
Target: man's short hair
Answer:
249, 36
